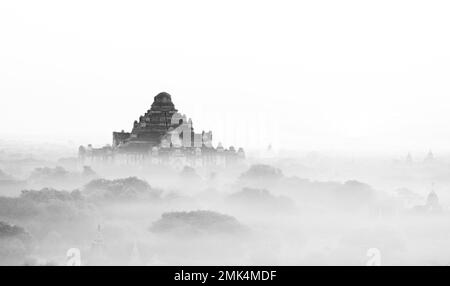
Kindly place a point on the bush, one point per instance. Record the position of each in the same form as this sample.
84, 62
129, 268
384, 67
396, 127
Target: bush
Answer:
264, 172
128, 188
196, 222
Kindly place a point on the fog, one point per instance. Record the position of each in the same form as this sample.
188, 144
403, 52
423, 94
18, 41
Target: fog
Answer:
308, 209
341, 107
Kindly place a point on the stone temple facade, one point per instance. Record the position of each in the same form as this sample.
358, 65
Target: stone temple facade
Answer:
163, 135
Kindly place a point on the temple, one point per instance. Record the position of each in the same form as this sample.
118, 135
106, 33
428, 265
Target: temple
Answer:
160, 135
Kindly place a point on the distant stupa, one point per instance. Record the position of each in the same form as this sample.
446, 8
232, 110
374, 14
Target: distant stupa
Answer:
409, 159
98, 241
429, 158
97, 251
135, 259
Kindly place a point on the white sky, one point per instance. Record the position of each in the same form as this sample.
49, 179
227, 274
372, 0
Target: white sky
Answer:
368, 75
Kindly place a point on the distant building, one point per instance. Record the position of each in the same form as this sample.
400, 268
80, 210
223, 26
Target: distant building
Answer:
433, 202
98, 244
429, 158
135, 259
409, 159
162, 135
96, 255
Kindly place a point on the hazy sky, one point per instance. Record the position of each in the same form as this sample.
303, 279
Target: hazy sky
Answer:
366, 75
